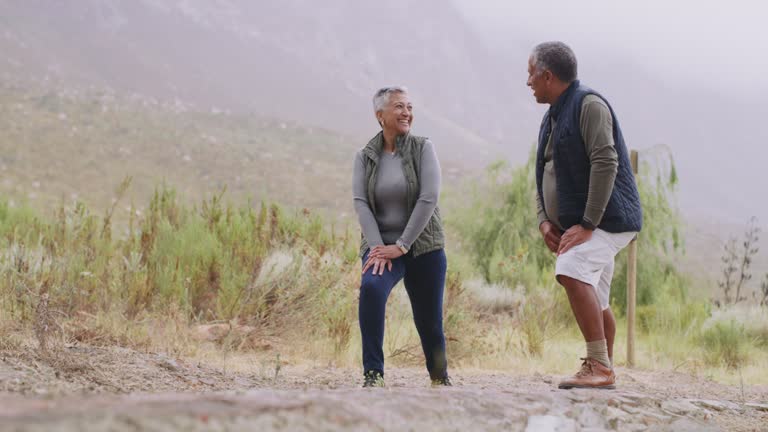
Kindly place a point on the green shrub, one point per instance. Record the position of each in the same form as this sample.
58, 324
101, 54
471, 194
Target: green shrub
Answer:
499, 230
672, 316
203, 261
725, 343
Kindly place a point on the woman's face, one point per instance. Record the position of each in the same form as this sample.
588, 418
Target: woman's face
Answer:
397, 115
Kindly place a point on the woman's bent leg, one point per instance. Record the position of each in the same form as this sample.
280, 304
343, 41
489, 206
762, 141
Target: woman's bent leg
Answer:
374, 291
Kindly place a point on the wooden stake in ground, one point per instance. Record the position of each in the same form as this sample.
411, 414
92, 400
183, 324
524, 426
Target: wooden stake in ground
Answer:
631, 284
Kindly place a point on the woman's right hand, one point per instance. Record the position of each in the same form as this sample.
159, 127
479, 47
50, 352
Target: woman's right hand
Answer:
378, 265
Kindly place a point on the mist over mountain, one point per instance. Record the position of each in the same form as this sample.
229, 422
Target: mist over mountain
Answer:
317, 65
297, 60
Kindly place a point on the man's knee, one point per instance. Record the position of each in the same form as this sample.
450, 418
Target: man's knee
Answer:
570, 283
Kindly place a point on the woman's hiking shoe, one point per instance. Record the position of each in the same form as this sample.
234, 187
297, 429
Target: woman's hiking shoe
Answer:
373, 378
445, 381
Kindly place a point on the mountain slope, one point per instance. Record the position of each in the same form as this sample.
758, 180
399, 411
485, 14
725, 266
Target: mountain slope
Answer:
297, 60
69, 145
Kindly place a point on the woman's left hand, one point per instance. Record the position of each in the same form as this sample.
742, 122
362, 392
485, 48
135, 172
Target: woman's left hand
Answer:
389, 252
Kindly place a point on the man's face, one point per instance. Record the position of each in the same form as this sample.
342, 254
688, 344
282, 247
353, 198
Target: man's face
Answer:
538, 82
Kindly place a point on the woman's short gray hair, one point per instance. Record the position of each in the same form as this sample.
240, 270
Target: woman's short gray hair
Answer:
381, 98
557, 58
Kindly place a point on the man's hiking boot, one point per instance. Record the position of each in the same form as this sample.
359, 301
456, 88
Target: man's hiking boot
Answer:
445, 381
593, 374
373, 378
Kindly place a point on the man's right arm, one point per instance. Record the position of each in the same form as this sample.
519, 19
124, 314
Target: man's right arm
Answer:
541, 215
548, 230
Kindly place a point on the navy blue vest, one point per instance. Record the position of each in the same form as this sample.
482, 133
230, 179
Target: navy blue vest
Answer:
572, 167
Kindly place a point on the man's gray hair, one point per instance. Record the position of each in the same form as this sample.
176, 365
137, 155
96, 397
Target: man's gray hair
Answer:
381, 98
557, 58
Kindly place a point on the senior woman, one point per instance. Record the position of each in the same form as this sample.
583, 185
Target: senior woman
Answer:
396, 184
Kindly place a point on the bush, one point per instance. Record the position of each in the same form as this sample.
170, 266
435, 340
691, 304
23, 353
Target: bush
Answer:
500, 231
672, 316
725, 343
754, 319
659, 242
205, 262
500, 228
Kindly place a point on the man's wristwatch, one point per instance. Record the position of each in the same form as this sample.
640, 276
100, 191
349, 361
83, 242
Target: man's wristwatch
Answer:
586, 224
403, 249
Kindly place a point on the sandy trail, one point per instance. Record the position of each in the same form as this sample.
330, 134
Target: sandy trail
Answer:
122, 390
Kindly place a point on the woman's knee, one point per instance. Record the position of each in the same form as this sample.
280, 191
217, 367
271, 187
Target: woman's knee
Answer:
432, 328
372, 286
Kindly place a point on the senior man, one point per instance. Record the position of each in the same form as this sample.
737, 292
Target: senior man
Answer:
588, 203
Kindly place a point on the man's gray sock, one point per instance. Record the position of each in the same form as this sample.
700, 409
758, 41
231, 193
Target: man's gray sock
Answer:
598, 350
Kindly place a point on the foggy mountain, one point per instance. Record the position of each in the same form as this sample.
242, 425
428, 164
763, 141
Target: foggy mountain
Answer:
317, 64
296, 60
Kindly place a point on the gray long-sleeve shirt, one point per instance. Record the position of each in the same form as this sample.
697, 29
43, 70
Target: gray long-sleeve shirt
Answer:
392, 221
596, 126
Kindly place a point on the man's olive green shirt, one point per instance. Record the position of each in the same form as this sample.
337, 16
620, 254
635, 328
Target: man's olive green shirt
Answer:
596, 127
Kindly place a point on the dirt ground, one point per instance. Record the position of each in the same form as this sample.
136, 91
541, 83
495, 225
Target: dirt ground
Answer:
88, 389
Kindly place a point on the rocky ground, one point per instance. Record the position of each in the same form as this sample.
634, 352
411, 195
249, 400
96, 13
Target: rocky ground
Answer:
88, 389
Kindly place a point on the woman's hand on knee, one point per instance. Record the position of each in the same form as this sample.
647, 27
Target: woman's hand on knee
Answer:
389, 252
378, 264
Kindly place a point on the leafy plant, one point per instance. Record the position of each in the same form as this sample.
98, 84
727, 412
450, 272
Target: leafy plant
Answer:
725, 343
736, 265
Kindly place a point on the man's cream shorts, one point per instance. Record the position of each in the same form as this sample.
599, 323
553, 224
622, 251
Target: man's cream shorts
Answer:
592, 262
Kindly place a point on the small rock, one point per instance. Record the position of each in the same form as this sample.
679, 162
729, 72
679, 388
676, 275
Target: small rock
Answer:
716, 405
550, 423
579, 395
208, 381
679, 406
634, 398
757, 406
688, 425
615, 417
631, 409
631, 427
169, 364
649, 418
628, 377
589, 418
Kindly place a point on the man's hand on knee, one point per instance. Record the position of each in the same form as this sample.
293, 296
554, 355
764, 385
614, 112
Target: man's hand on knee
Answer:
551, 235
574, 236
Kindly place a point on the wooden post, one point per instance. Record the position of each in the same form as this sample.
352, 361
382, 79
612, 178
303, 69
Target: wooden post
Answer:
631, 284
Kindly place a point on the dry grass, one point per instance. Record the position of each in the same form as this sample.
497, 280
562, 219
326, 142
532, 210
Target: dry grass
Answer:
258, 286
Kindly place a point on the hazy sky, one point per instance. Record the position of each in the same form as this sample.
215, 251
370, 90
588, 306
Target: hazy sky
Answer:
704, 40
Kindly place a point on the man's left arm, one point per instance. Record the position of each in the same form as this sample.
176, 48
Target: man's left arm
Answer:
596, 124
